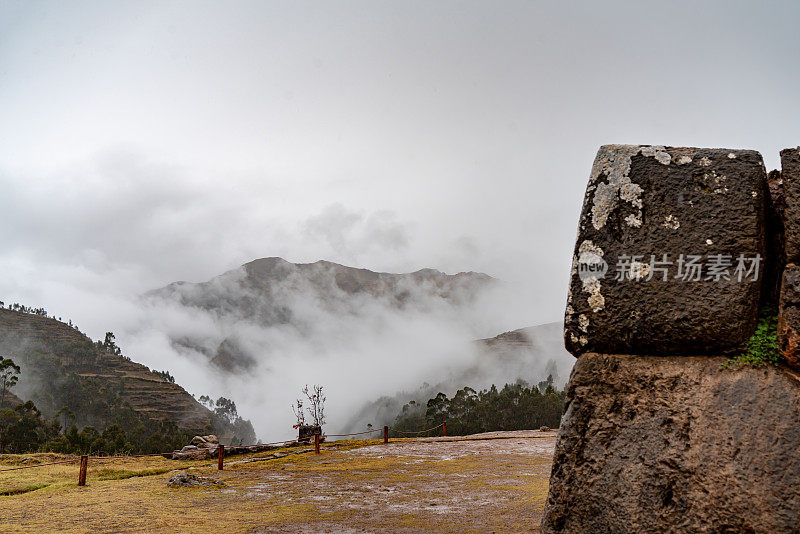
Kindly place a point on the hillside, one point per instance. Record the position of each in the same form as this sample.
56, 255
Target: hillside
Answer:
271, 292
530, 354
52, 353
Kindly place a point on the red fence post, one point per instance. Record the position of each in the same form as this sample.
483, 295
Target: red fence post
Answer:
386, 434
82, 471
316, 443
444, 428
220, 456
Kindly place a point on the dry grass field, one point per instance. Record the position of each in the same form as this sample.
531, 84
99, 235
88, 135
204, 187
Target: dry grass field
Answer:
494, 482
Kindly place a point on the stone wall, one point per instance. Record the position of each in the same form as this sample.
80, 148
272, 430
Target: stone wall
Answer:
678, 250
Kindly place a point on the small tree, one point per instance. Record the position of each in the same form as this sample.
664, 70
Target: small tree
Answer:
226, 409
9, 376
110, 344
297, 409
66, 416
317, 400
206, 401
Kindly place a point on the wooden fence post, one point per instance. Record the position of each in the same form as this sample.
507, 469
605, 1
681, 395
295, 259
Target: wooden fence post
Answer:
220, 456
386, 434
82, 471
316, 443
444, 428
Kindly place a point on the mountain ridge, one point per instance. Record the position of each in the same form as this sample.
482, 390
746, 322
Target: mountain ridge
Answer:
272, 291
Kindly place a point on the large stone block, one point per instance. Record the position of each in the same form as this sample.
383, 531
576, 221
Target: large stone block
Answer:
676, 444
789, 315
670, 250
790, 174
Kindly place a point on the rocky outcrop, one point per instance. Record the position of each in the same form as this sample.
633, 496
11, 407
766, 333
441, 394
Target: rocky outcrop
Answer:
187, 480
666, 236
207, 447
200, 448
675, 444
205, 441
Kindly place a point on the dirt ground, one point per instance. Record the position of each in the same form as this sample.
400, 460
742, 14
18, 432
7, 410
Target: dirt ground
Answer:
494, 482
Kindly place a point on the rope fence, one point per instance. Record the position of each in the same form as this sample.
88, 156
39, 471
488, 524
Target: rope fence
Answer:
356, 434
84, 459
443, 426
73, 460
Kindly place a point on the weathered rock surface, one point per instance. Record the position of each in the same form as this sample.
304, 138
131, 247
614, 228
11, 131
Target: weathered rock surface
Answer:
789, 315
191, 452
790, 174
210, 441
190, 479
675, 444
671, 224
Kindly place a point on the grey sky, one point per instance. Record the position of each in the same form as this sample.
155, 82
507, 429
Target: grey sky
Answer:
142, 143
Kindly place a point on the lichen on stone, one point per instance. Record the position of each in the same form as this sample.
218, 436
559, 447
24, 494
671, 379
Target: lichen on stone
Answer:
658, 152
717, 181
596, 300
605, 201
634, 220
639, 270
631, 192
671, 222
588, 246
613, 162
583, 323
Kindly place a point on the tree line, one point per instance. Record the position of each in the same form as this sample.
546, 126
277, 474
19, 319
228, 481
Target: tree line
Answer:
24, 428
517, 406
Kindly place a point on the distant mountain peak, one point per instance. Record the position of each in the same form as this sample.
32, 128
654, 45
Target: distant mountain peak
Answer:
272, 291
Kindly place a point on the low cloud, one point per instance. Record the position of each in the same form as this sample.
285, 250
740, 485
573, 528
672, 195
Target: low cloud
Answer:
350, 234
